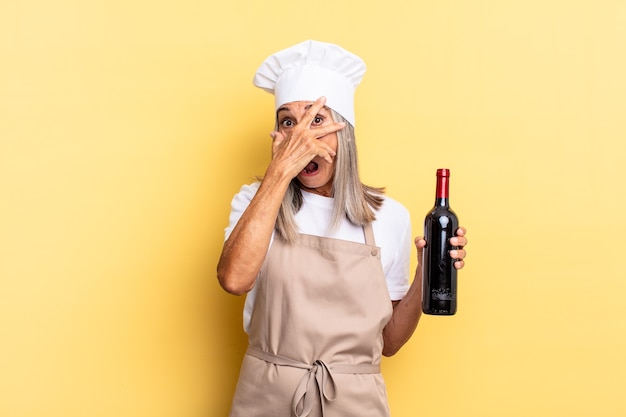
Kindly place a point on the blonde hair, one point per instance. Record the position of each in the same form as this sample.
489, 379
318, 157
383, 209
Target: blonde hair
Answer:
353, 200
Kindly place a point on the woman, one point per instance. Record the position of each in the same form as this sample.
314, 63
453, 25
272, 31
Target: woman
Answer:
322, 257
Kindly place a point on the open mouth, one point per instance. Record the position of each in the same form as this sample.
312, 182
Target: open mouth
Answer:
311, 168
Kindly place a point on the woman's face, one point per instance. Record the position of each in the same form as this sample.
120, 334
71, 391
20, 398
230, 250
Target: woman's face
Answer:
317, 177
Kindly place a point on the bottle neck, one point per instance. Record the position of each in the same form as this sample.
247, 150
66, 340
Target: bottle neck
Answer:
442, 202
443, 191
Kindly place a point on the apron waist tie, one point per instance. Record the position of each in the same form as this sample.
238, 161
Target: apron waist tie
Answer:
319, 376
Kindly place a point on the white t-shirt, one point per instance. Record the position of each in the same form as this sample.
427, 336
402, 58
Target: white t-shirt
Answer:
392, 232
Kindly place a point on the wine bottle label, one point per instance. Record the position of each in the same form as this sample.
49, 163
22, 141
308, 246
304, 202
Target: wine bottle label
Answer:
442, 294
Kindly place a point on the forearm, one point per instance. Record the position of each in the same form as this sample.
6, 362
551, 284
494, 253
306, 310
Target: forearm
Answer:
407, 312
405, 317
245, 249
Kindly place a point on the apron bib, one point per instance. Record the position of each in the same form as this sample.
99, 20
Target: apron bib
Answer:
316, 332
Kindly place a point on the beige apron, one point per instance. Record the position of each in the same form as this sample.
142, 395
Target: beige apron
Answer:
316, 332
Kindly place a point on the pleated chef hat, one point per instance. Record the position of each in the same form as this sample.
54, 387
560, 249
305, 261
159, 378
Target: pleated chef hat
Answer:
309, 70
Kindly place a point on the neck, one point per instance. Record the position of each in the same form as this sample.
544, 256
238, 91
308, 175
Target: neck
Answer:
323, 191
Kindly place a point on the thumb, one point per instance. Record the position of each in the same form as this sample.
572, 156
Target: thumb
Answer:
277, 139
276, 136
420, 243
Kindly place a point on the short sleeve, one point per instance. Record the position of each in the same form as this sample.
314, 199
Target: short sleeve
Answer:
393, 232
238, 205
398, 273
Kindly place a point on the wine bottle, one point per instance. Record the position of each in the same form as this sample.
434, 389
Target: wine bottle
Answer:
439, 276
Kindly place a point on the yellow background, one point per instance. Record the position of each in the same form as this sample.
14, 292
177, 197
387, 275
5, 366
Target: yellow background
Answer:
127, 126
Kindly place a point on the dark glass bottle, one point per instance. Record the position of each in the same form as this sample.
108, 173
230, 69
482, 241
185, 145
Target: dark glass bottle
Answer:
439, 274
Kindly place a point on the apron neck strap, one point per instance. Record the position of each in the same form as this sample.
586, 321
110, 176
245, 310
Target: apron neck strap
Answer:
369, 235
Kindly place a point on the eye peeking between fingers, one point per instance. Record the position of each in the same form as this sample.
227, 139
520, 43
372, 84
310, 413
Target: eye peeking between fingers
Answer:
317, 121
286, 123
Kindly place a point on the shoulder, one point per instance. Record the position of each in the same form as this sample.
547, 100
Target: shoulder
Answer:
393, 211
393, 223
239, 204
245, 194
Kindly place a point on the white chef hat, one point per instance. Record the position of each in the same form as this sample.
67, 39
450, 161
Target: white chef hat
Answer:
312, 69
